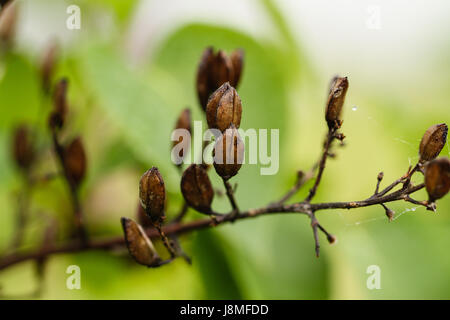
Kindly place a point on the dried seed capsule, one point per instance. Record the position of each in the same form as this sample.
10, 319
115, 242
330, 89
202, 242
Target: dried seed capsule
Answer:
228, 153
437, 178
47, 66
183, 122
335, 102
432, 142
197, 189
8, 22
222, 70
216, 69
75, 161
152, 194
142, 217
203, 82
58, 116
23, 149
138, 244
237, 59
224, 108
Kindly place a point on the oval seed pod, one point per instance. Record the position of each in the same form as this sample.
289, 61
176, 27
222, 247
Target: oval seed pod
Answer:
48, 65
203, 82
183, 122
237, 60
75, 161
224, 108
58, 116
437, 178
23, 149
8, 22
142, 217
139, 245
228, 153
335, 102
222, 70
197, 189
152, 194
432, 142
216, 69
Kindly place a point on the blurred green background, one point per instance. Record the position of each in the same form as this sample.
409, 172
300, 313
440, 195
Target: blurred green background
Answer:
131, 69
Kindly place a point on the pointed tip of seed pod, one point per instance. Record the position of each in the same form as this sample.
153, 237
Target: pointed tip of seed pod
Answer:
433, 141
437, 178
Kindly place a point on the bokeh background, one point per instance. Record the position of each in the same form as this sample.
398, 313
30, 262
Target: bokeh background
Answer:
132, 68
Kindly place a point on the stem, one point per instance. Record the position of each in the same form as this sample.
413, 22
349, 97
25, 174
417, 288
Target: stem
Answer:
322, 163
230, 195
179, 228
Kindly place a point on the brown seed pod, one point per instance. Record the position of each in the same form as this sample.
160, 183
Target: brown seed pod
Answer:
142, 217
335, 102
183, 122
58, 116
197, 189
152, 194
228, 153
216, 69
47, 66
203, 82
75, 161
437, 178
432, 142
139, 245
237, 59
224, 108
8, 21
23, 149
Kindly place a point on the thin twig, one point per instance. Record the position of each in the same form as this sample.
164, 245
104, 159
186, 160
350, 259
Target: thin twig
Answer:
230, 195
302, 178
322, 163
179, 228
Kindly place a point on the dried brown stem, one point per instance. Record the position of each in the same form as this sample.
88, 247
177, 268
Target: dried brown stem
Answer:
180, 228
230, 195
322, 163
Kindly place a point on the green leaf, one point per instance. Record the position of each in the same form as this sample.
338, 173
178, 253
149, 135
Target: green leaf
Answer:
218, 278
19, 77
